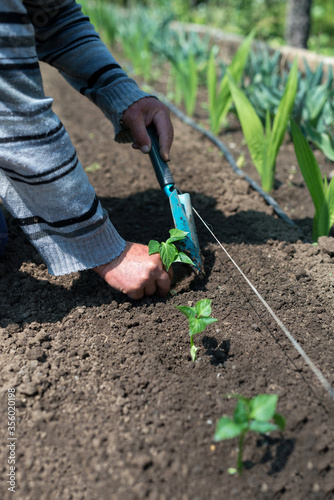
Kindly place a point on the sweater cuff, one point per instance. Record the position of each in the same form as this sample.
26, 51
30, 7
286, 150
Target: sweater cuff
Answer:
65, 257
116, 98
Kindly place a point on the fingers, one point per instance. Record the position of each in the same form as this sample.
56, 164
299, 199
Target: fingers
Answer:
159, 281
164, 128
163, 285
141, 114
136, 273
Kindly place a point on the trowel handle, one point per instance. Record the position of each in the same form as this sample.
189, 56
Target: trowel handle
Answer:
161, 168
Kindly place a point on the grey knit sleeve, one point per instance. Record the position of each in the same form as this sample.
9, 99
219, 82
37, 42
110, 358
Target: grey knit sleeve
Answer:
67, 40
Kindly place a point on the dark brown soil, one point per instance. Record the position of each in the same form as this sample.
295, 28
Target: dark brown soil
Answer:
109, 403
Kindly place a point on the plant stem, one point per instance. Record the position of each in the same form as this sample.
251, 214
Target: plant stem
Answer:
240, 451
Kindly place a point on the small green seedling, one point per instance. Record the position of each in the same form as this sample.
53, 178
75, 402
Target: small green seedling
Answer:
93, 167
199, 318
250, 414
321, 192
168, 251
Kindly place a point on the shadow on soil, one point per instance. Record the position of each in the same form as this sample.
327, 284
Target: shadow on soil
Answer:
278, 451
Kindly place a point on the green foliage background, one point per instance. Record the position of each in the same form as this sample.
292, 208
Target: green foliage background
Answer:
240, 16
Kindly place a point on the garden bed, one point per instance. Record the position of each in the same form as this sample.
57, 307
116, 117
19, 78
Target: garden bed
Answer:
110, 404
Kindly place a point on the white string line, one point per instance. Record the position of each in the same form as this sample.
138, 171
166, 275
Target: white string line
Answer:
322, 379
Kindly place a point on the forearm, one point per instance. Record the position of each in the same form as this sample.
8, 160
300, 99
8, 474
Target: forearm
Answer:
67, 40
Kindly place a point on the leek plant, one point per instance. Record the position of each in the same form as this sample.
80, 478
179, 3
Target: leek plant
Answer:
264, 145
185, 74
220, 99
136, 32
136, 47
263, 83
321, 193
188, 56
104, 17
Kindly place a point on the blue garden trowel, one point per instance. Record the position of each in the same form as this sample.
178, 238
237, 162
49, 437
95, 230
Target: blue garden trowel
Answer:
180, 203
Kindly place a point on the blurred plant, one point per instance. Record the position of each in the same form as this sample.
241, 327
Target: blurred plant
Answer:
220, 99
264, 145
136, 32
321, 193
199, 318
266, 16
188, 55
185, 74
313, 108
104, 17
93, 167
250, 415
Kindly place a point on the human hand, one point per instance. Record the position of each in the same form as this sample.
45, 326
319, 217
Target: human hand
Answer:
136, 273
141, 114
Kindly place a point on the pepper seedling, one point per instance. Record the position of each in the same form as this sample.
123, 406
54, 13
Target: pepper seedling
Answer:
199, 318
168, 251
250, 414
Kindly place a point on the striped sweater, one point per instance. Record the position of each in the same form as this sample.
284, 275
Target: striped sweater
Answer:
42, 183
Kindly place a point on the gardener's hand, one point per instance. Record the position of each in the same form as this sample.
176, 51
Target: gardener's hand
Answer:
136, 273
141, 114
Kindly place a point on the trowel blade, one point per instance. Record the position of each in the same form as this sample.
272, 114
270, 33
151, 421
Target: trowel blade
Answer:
184, 219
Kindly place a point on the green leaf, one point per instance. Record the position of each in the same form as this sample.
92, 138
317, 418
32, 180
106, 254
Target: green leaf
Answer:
235, 69
197, 325
308, 166
168, 252
263, 407
316, 100
227, 429
220, 102
284, 110
187, 311
238, 62
268, 167
251, 125
321, 140
322, 226
176, 235
330, 202
262, 427
203, 308
241, 412
182, 257
211, 86
279, 421
153, 247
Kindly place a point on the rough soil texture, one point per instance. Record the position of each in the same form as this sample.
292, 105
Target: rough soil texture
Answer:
109, 403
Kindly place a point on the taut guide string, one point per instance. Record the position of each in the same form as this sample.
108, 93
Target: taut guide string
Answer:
322, 379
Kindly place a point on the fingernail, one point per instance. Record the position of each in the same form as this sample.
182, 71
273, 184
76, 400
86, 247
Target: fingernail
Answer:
145, 149
164, 156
